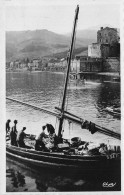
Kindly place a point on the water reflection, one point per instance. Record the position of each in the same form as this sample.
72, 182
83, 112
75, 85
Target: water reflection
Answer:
109, 95
25, 179
17, 179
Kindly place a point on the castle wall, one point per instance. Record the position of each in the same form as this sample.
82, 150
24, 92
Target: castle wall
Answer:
107, 35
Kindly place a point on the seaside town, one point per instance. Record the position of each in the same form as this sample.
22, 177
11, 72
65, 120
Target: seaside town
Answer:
63, 105
100, 57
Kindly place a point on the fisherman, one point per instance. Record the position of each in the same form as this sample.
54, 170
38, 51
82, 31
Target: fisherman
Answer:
13, 134
20, 138
103, 149
8, 126
41, 140
53, 139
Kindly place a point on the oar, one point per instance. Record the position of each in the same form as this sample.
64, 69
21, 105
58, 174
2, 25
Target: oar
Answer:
34, 107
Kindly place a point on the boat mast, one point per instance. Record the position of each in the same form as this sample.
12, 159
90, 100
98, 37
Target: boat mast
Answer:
67, 74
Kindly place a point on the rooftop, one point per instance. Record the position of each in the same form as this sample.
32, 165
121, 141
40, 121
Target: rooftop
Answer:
115, 29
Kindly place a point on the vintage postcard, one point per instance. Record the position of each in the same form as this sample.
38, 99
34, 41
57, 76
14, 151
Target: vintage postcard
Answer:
61, 100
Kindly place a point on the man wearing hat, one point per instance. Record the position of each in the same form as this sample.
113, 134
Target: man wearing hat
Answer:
20, 138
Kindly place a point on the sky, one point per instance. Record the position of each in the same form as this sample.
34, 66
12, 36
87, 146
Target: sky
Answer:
58, 17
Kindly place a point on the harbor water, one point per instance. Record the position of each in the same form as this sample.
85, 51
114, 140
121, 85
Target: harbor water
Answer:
87, 100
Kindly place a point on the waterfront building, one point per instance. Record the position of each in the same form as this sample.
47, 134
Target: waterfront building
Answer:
75, 65
98, 50
11, 65
44, 63
107, 44
35, 63
17, 64
57, 65
103, 55
31, 65
107, 35
88, 64
22, 66
111, 64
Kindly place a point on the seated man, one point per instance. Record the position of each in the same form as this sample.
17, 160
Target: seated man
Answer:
40, 140
20, 138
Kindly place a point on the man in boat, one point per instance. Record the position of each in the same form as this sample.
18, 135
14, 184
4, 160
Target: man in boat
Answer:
53, 139
20, 138
41, 140
13, 134
8, 126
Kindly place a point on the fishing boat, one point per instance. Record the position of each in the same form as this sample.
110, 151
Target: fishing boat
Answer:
116, 79
114, 111
75, 155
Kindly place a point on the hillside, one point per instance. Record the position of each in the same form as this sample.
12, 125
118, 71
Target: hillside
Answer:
64, 54
86, 34
39, 43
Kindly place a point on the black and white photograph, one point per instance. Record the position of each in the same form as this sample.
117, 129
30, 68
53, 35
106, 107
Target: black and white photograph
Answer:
63, 96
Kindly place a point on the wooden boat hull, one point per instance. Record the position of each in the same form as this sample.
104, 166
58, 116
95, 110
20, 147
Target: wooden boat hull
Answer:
62, 162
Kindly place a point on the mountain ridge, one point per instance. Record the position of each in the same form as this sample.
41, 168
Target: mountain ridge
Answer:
40, 43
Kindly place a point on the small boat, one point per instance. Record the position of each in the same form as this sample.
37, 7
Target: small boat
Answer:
114, 111
116, 79
74, 156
